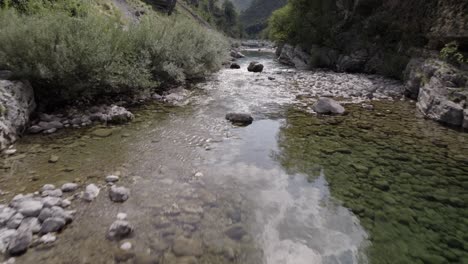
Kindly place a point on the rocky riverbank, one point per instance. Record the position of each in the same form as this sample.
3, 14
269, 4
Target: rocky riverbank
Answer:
440, 88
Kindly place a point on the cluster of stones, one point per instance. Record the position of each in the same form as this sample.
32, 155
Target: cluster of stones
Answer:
48, 124
33, 219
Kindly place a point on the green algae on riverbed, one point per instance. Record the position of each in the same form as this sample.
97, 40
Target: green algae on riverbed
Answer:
405, 177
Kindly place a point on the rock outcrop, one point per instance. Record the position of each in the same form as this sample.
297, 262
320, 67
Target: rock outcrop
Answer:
293, 56
441, 90
16, 105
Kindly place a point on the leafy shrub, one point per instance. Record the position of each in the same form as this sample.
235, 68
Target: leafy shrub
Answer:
451, 53
68, 56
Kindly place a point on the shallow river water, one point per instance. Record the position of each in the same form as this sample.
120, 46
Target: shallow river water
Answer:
372, 186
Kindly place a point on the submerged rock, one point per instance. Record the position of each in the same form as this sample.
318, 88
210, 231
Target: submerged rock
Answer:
240, 118
102, 132
119, 229
235, 66
255, 67
235, 232
187, 247
328, 106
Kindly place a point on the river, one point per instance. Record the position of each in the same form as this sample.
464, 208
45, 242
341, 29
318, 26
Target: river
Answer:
372, 186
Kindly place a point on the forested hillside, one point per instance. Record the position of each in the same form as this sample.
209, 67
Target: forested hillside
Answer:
255, 17
241, 5
377, 36
221, 14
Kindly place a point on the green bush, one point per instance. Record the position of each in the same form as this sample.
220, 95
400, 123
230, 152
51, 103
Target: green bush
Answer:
68, 56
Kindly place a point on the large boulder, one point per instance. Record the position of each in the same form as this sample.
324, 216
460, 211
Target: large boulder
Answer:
293, 56
255, 67
237, 54
16, 105
328, 106
440, 90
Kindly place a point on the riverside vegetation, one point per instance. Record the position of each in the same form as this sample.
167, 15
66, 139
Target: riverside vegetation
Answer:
71, 49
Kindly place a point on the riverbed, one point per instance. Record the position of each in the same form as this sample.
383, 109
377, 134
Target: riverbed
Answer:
377, 185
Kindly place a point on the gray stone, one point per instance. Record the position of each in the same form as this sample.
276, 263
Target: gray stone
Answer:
91, 192
20, 242
15, 221
53, 193
236, 54
119, 194
187, 247
235, 232
240, 118
45, 213
30, 223
48, 187
35, 129
5, 215
50, 201
235, 66
16, 105
119, 229
328, 106
69, 187
6, 235
119, 115
255, 67
30, 208
52, 224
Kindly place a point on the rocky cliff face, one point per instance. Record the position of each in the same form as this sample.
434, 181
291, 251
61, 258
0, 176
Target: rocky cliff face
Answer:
16, 105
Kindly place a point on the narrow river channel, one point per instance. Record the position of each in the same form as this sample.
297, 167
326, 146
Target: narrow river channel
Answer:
372, 186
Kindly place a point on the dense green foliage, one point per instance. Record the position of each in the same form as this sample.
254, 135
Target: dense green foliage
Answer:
68, 55
451, 53
255, 17
386, 31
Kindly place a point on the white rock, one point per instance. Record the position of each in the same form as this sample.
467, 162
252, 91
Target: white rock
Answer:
9, 151
198, 174
10, 261
121, 216
126, 246
91, 192
48, 238
112, 178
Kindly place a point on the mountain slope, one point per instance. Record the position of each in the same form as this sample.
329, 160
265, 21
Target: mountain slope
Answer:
255, 17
